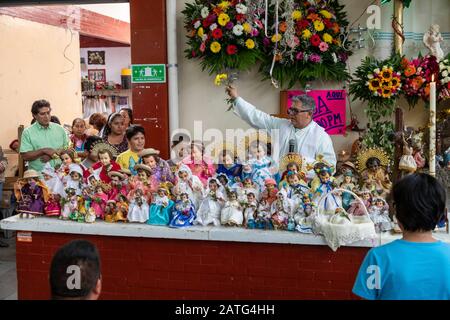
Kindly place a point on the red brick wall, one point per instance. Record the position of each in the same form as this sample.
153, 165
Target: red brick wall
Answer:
145, 268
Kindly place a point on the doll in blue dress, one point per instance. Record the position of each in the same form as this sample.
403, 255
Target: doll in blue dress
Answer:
228, 167
161, 208
262, 166
183, 212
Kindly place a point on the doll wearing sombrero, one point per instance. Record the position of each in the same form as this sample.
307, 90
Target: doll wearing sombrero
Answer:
117, 185
31, 194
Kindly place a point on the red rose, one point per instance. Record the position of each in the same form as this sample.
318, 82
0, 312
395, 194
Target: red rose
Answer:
315, 40
302, 24
217, 33
327, 23
240, 17
231, 49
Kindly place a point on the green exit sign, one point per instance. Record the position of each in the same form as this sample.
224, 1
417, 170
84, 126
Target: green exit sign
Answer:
148, 73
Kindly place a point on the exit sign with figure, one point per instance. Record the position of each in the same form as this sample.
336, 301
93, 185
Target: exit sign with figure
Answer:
148, 73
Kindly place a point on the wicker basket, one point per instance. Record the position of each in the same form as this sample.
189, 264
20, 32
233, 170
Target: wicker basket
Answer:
340, 231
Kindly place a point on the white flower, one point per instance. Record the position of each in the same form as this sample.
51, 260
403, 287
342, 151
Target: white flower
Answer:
377, 70
238, 29
333, 55
419, 69
447, 79
445, 73
197, 24
446, 61
213, 26
204, 37
204, 12
369, 76
240, 8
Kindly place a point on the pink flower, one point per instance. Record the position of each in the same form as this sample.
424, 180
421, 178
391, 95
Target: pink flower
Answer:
255, 32
299, 56
323, 46
203, 47
314, 58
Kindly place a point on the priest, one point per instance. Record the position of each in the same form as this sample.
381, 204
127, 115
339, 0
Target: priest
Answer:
300, 133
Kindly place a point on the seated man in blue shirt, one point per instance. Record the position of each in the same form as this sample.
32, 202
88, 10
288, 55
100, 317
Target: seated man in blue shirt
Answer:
416, 267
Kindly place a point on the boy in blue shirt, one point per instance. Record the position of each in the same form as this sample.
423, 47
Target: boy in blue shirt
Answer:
416, 267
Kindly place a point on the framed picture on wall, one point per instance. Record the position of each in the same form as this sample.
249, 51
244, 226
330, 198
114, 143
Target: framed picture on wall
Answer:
98, 75
96, 57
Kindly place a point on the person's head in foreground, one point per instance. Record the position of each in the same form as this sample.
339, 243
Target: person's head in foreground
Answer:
75, 272
418, 265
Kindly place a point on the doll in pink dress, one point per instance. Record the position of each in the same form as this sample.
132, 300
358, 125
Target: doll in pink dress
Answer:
143, 181
99, 201
199, 163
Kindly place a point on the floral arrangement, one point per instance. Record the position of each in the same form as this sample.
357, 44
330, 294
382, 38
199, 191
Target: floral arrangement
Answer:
223, 35
417, 77
307, 45
444, 77
379, 84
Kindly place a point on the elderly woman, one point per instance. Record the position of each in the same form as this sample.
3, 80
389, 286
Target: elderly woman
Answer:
160, 168
114, 132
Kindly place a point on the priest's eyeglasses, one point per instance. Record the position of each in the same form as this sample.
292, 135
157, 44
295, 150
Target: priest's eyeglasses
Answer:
295, 111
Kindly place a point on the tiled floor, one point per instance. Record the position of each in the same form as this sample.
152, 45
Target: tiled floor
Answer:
8, 276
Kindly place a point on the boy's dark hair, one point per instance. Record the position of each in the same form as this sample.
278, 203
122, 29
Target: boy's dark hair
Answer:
134, 130
90, 142
38, 104
419, 201
79, 253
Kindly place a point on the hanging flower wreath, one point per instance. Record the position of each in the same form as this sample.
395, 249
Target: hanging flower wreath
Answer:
307, 45
223, 35
418, 74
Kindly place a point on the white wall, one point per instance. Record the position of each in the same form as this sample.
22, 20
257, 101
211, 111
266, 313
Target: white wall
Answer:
32, 67
115, 60
201, 100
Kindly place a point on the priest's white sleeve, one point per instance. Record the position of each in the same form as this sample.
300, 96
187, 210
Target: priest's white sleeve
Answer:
254, 117
325, 148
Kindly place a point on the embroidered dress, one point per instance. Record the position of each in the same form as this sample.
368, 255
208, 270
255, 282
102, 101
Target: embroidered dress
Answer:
138, 210
209, 210
160, 211
183, 215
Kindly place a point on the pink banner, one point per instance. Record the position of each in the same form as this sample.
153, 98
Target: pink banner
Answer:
330, 108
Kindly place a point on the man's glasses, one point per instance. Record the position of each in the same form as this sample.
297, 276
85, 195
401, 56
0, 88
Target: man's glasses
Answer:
295, 111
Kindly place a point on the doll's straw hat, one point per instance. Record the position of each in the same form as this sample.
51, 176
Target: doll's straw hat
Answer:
116, 174
149, 152
143, 167
30, 174
126, 171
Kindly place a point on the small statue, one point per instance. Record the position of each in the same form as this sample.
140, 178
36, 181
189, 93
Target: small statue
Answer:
347, 184
211, 205
372, 164
161, 208
407, 162
282, 210
432, 40
231, 213
379, 213
31, 194
183, 213
250, 209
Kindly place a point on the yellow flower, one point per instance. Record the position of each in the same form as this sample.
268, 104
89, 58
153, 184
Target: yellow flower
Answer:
200, 32
395, 82
223, 19
386, 93
374, 84
326, 14
250, 43
215, 47
386, 73
327, 38
296, 15
247, 27
276, 38
306, 34
219, 78
224, 5
318, 25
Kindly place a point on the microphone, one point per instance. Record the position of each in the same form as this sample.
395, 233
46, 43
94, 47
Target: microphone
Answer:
292, 145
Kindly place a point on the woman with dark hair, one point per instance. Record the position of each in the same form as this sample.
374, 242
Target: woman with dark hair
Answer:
127, 114
416, 267
114, 132
97, 121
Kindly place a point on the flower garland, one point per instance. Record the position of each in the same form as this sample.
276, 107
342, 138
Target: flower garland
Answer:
307, 45
444, 77
223, 34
